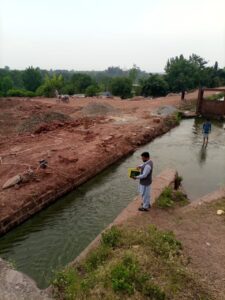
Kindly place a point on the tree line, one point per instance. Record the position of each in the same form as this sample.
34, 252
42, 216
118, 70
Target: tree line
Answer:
181, 74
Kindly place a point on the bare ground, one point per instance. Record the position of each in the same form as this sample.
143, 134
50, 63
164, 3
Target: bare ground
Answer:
78, 140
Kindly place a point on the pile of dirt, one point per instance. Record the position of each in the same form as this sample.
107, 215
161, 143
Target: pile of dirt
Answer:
99, 109
166, 110
33, 123
86, 122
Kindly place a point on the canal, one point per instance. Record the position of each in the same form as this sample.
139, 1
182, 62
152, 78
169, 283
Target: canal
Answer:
55, 236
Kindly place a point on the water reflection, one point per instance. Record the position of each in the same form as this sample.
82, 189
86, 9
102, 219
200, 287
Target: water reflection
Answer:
202, 155
197, 126
196, 131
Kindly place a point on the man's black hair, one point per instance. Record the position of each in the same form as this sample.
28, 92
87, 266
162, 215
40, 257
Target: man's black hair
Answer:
145, 154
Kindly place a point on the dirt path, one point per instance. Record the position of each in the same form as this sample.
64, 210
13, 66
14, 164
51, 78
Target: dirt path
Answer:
201, 232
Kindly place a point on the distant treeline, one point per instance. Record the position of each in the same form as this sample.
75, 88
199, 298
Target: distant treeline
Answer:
181, 74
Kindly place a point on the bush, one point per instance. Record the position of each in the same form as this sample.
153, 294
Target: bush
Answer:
122, 87
173, 120
180, 198
97, 257
111, 237
6, 84
165, 199
68, 282
20, 93
178, 117
68, 89
124, 275
50, 85
155, 86
91, 91
216, 96
168, 198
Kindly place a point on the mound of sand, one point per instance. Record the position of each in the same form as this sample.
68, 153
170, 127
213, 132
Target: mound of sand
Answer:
99, 109
32, 123
166, 110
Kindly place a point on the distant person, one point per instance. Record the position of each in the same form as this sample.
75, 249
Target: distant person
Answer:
206, 129
145, 180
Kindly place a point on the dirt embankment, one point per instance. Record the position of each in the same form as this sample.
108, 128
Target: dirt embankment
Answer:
78, 140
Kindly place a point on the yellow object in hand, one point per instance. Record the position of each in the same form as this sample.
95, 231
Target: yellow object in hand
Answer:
133, 172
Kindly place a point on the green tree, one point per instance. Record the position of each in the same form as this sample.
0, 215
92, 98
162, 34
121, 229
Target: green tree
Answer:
133, 74
103, 82
91, 90
198, 61
32, 78
68, 89
80, 82
17, 78
50, 85
182, 74
6, 84
155, 86
121, 86
114, 72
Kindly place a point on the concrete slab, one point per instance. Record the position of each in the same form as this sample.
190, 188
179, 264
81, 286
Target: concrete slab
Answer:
15, 285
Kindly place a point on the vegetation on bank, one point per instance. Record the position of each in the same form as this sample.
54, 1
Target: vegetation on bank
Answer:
216, 96
144, 263
171, 198
174, 119
181, 74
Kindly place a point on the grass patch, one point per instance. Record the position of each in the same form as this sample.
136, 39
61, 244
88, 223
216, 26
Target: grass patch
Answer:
68, 283
125, 275
142, 264
178, 117
97, 257
173, 120
111, 237
163, 243
170, 198
215, 97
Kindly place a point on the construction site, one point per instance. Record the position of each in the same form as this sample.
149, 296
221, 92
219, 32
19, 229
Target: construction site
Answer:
47, 148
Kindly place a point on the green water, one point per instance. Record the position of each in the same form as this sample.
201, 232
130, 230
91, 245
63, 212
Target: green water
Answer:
55, 236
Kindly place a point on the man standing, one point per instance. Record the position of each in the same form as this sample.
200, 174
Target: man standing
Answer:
206, 129
145, 180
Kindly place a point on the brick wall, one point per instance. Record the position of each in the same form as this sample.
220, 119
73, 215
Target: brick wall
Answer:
210, 107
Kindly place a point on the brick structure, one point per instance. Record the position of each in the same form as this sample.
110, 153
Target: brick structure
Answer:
212, 108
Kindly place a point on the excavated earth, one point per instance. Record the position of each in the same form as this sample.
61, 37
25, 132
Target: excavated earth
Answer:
78, 140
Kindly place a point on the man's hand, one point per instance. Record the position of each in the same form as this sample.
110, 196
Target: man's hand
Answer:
134, 177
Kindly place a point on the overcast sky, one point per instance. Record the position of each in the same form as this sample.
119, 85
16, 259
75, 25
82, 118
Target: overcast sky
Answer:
95, 34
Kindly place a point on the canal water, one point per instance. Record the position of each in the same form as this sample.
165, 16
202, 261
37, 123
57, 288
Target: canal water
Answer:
55, 236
